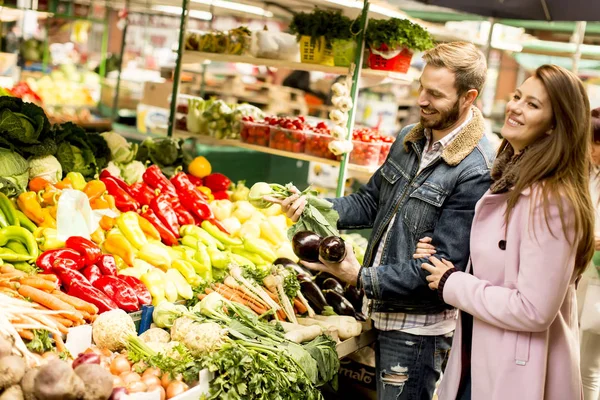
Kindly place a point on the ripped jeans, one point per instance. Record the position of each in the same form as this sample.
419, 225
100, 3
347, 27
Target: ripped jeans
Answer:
409, 366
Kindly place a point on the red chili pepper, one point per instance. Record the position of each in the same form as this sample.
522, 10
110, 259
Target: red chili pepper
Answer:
85, 291
122, 184
142, 193
183, 216
88, 249
154, 178
195, 180
107, 264
182, 183
161, 205
65, 269
141, 291
123, 200
217, 182
46, 260
166, 235
119, 292
92, 273
196, 205
222, 195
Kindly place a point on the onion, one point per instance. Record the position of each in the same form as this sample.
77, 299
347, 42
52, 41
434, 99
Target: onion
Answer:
118, 394
89, 358
136, 386
129, 377
120, 365
50, 355
175, 388
151, 380
152, 371
160, 389
118, 381
140, 366
166, 380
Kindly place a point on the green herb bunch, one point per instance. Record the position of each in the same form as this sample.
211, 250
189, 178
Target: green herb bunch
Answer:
330, 24
396, 33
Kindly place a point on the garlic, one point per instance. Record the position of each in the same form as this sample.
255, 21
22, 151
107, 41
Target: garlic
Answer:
342, 103
339, 89
338, 117
339, 147
339, 132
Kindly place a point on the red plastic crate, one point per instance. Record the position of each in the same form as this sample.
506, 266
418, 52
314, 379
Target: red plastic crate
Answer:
287, 139
398, 63
255, 133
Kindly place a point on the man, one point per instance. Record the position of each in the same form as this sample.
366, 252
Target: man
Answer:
436, 172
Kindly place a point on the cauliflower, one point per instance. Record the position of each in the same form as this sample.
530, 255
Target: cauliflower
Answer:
121, 151
204, 338
132, 172
181, 326
46, 167
156, 335
112, 329
113, 169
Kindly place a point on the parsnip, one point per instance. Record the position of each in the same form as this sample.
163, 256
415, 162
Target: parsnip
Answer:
303, 334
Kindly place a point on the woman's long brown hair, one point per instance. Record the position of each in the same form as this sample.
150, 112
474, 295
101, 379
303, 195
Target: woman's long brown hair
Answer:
561, 161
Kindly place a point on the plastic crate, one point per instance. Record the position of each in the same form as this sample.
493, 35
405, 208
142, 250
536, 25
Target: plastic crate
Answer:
255, 133
366, 154
315, 51
287, 139
383, 59
317, 145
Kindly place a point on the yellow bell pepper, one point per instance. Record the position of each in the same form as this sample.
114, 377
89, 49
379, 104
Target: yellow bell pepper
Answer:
47, 239
156, 255
183, 287
77, 180
119, 261
207, 192
142, 266
98, 236
49, 221
202, 235
129, 225
155, 283
148, 229
270, 233
131, 271
28, 203
116, 243
260, 247
187, 270
170, 287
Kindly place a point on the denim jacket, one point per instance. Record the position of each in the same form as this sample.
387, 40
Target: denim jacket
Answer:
438, 202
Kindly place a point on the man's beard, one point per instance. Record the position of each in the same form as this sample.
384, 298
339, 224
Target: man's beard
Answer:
444, 120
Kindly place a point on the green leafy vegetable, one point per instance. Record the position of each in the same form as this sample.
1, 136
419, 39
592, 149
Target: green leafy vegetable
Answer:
41, 341
323, 350
396, 33
15, 169
167, 153
291, 285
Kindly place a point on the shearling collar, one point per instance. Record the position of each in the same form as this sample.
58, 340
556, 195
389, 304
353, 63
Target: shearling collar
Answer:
464, 143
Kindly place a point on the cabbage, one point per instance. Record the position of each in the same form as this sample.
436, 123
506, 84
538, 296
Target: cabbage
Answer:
14, 172
46, 167
121, 150
132, 172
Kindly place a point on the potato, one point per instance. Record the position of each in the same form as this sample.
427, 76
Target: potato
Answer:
57, 381
98, 381
12, 393
27, 384
12, 369
5, 346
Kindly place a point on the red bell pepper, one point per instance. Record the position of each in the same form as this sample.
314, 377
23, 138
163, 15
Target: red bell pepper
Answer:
154, 178
183, 216
65, 270
46, 260
222, 195
141, 291
142, 193
88, 249
195, 180
119, 292
123, 200
122, 184
85, 291
217, 182
107, 264
92, 273
166, 235
182, 183
161, 205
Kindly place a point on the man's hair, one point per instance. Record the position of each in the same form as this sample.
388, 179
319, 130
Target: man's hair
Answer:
464, 59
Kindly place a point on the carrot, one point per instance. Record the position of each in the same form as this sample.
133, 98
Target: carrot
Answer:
89, 317
240, 294
281, 315
65, 321
39, 283
7, 268
299, 306
45, 299
231, 295
48, 277
201, 296
25, 334
60, 345
9, 284
13, 275
79, 304
75, 316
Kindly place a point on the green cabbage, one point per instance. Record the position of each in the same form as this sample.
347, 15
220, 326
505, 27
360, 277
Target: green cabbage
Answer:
46, 167
121, 150
14, 170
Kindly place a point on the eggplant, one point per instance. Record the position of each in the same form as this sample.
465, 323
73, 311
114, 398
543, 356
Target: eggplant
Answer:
314, 295
355, 296
320, 277
333, 284
306, 246
304, 278
340, 305
333, 249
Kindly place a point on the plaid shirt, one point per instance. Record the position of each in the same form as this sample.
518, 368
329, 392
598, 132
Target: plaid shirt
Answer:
402, 321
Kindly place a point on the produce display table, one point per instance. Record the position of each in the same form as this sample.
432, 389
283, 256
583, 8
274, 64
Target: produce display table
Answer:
351, 345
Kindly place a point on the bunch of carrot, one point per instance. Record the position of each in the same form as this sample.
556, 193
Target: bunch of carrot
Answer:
37, 303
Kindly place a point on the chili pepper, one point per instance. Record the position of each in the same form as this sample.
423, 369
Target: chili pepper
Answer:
196, 205
214, 231
28, 203
66, 270
222, 195
85, 291
149, 230
242, 261
123, 200
206, 193
170, 287
37, 184
254, 246
128, 224
10, 256
255, 258
161, 205
77, 180
47, 239
202, 235
117, 244
107, 223
122, 184
156, 255
98, 236
119, 292
64, 184
92, 273
104, 201
154, 178
49, 221
25, 222
107, 264
187, 271
165, 233
142, 193
155, 284
195, 180
202, 257
183, 287
141, 291
22, 235
218, 259
217, 182
46, 260
48, 196
121, 264
8, 212
94, 189
183, 216
88, 249
17, 247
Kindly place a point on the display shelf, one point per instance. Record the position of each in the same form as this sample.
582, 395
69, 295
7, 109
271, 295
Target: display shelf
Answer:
197, 57
351, 345
207, 140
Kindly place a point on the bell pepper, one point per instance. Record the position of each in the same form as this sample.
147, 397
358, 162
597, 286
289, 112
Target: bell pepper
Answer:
66, 270
222, 195
156, 255
261, 248
132, 271
47, 239
22, 235
28, 203
107, 264
77, 180
161, 205
85, 291
88, 249
183, 287
46, 260
142, 193
206, 193
187, 189
255, 258
154, 178
218, 259
165, 233
49, 221
92, 273
187, 271
195, 180
98, 236
119, 292
107, 223
242, 261
37, 184
183, 216
271, 233
156, 286
141, 291
123, 200
171, 293
11, 256
128, 224
221, 236
118, 180
117, 244
94, 189
217, 182
24, 221
8, 213
103, 202
202, 235
121, 264
149, 230
64, 184
48, 196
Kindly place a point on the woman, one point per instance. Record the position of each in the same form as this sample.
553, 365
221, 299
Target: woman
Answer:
532, 237
588, 292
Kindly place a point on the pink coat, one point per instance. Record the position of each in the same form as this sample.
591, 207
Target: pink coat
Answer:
525, 332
